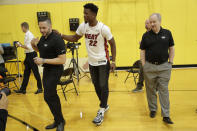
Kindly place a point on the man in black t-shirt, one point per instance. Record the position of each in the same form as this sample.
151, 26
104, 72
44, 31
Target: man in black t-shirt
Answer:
140, 82
52, 56
157, 47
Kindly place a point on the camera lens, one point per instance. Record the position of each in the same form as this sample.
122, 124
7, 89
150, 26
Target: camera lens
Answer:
7, 91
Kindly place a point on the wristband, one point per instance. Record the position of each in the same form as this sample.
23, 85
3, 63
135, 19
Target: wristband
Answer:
43, 60
113, 62
19, 44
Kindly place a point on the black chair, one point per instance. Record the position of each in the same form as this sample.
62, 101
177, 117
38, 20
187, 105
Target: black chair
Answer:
134, 70
67, 78
6, 80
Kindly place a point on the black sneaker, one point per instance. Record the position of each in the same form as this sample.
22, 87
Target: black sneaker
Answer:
20, 91
152, 114
167, 120
38, 91
137, 89
60, 127
51, 126
99, 118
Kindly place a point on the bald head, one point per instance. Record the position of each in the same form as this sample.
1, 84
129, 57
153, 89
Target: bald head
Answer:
147, 21
156, 15
155, 21
147, 25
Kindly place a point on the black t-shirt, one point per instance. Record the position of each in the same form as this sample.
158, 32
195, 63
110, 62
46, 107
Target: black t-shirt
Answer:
156, 45
3, 119
51, 47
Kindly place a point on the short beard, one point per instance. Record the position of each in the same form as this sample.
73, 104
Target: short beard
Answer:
48, 32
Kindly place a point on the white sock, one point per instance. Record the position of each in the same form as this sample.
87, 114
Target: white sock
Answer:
102, 109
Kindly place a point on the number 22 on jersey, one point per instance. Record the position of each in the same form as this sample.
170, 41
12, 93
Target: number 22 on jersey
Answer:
93, 43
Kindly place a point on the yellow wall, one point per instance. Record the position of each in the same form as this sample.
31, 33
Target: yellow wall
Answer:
124, 17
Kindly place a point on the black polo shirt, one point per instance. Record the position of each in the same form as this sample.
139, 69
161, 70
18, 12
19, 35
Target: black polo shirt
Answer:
51, 47
156, 45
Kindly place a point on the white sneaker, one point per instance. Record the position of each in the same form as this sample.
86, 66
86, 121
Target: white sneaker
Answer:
99, 118
106, 108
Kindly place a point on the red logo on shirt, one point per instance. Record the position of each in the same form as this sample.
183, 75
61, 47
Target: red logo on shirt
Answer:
92, 36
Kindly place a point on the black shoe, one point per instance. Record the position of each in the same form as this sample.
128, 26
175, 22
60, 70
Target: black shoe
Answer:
137, 89
20, 91
38, 91
152, 114
51, 126
140, 85
167, 120
60, 127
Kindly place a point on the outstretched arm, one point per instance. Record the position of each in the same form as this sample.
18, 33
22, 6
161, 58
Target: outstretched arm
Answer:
70, 38
18, 44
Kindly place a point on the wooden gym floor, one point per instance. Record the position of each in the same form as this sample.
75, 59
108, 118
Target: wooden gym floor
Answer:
128, 111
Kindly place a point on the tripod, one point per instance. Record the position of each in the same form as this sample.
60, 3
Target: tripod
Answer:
80, 69
75, 64
18, 75
76, 67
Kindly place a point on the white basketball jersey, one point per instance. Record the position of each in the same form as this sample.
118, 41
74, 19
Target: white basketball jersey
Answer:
96, 42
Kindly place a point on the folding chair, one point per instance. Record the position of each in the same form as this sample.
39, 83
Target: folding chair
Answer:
67, 78
135, 70
6, 80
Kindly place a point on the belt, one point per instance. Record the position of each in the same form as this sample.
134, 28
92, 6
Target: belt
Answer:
156, 62
30, 52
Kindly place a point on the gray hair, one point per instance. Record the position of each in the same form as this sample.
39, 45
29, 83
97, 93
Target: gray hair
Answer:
158, 16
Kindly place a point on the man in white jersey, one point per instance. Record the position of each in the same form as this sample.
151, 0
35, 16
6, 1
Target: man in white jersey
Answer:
96, 37
29, 62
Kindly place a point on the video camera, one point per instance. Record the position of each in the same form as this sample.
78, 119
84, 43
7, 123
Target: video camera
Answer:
6, 90
72, 45
9, 52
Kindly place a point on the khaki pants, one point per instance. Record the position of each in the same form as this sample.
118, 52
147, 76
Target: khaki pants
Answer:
157, 78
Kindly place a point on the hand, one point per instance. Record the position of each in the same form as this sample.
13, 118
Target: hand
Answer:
56, 31
3, 101
38, 60
34, 42
143, 64
170, 62
18, 44
113, 66
86, 66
